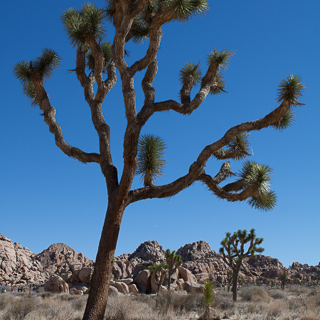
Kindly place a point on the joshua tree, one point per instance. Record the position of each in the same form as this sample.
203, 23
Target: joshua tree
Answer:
233, 252
158, 272
208, 297
173, 261
96, 64
283, 279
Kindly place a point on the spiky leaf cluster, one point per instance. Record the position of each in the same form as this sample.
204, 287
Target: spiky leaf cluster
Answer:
41, 68
258, 176
139, 29
285, 122
291, 89
219, 85
30, 91
106, 50
240, 143
183, 10
264, 201
220, 58
83, 24
190, 71
150, 156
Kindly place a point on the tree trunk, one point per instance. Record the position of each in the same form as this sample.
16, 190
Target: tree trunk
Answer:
98, 296
235, 284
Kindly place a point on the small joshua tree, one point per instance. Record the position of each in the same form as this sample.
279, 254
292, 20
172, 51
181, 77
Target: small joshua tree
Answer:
208, 298
158, 272
283, 279
173, 261
233, 252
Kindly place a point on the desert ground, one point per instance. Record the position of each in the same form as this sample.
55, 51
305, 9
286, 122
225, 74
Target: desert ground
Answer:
295, 302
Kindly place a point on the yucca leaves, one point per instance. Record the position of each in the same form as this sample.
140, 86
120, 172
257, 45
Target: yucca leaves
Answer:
22, 71
258, 176
41, 67
219, 86
291, 89
190, 70
183, 10
30, 91
83, 24
139, 30
264, 201
220, 58
45, 64
285, 122
107, 55
240, 143
150, 158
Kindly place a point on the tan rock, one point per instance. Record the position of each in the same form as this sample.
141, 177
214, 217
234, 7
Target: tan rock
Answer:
56, 284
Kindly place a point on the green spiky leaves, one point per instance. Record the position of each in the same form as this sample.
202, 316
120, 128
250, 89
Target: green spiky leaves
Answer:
107, 55
291, 89
190, 72
30, 91
139, 30
264, 201
258, 177
150, 158
220, 58
41, 68
240, 144
183, 10
219, 85
285, 122
80, 25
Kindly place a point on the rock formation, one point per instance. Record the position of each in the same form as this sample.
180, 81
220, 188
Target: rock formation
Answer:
60, 266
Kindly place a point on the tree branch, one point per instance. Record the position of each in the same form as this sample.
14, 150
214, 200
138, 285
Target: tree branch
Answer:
49, 116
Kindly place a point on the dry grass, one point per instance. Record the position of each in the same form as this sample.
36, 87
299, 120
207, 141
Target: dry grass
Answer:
255, 303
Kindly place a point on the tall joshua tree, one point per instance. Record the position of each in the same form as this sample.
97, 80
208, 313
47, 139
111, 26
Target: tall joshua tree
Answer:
173, 261
96, 65
233, 252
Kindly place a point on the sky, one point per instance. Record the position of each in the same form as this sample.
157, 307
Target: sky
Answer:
47, 197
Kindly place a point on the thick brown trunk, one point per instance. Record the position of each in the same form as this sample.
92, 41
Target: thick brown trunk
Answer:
97, 300
235, 284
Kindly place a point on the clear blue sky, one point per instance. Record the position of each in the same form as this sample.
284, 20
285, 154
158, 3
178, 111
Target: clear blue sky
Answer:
46, 197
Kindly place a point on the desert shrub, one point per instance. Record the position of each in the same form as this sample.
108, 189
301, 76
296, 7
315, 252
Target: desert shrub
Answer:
297, 303
4, 301
223, 301
313, 299
254, 294
19, 308
55, 309
277, 294
126, 308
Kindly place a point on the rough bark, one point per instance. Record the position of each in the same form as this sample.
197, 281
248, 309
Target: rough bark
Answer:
97, 300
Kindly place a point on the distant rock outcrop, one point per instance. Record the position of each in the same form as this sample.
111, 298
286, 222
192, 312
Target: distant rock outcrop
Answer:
18, 264
59, 267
